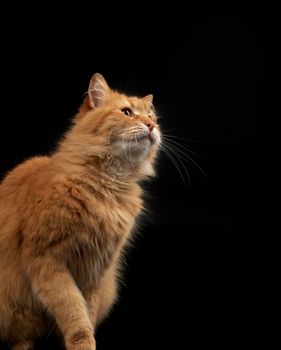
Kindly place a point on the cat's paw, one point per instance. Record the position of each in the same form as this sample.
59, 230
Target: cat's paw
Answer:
82, 346
81, 341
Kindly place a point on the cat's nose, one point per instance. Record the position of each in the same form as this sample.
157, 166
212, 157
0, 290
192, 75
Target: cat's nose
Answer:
150, 124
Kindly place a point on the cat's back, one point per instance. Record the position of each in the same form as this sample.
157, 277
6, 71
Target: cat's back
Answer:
26, 175
19, 187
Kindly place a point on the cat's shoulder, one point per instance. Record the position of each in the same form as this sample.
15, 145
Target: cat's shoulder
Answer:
26, 169
33, 163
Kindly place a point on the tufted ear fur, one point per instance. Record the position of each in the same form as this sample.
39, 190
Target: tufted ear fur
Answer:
148, 98
98, 90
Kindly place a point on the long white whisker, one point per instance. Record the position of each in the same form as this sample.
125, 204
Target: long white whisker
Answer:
179, 145
131, 154
174, 162
135, 135
180, 160
179, 137
182, 155
125, 148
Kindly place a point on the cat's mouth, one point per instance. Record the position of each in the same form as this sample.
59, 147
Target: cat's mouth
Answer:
144, 137
135, 146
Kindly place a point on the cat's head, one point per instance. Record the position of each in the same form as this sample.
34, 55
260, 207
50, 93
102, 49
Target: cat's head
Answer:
117, 126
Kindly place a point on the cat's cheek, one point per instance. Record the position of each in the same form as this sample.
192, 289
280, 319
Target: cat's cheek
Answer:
118, 149
155, 137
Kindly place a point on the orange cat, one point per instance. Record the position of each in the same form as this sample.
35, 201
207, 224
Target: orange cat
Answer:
65, 219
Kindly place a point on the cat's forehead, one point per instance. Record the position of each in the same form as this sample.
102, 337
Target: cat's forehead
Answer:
138, 104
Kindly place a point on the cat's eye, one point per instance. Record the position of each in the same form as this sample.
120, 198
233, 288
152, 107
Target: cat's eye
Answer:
127, 111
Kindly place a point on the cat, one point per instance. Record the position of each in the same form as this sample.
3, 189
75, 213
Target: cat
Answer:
66, 219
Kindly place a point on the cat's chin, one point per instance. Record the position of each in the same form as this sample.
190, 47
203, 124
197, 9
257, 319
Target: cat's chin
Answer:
147, 139
134, 151
153, 137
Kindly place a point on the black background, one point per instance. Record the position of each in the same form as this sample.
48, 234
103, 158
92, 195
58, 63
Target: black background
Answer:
200, 273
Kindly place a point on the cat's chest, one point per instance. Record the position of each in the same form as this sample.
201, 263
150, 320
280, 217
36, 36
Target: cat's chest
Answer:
105, 229
112, 216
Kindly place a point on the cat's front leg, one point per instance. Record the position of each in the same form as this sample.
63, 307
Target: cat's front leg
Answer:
101, 299
93, 303
56, 289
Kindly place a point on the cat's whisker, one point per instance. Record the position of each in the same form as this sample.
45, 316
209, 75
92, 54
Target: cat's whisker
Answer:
131, 154
136, 138
179, 137
177, 149
133, 129
179, 145
168, 154
125, 148
181, 154
178, 155
179, 158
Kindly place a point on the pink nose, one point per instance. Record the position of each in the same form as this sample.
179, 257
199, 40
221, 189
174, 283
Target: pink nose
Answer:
150, 124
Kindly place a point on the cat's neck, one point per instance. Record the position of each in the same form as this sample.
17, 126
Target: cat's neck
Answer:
79, 157
103, 170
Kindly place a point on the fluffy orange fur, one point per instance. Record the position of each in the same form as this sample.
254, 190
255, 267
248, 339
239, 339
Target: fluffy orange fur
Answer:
65, 220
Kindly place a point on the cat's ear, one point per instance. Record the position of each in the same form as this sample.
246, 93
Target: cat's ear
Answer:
98, 89
148, 98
